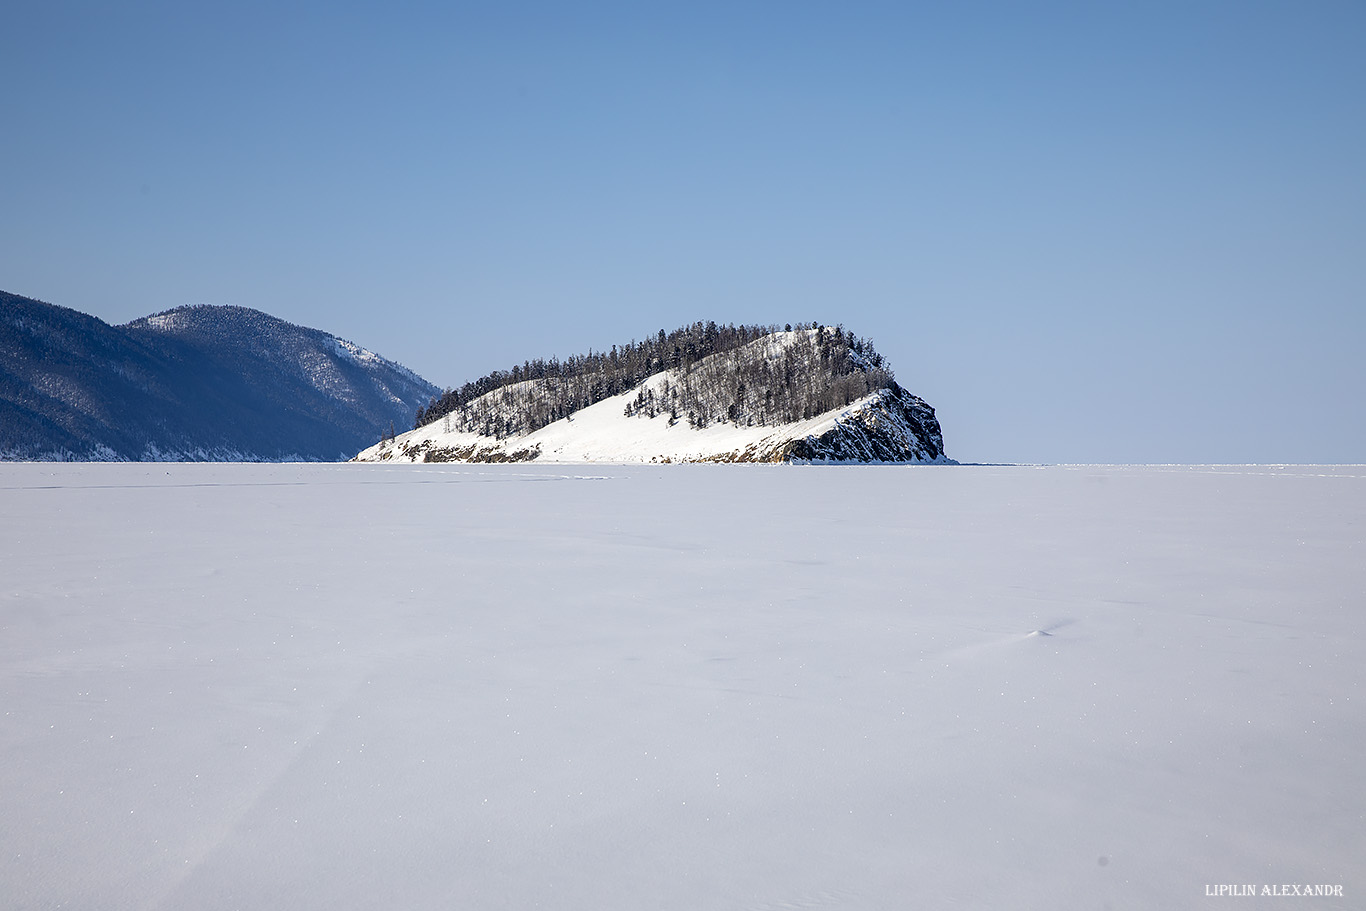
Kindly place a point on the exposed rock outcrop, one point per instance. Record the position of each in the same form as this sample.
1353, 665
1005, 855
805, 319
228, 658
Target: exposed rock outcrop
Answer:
894, 426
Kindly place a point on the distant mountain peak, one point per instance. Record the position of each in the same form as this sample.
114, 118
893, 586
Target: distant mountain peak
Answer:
199, 382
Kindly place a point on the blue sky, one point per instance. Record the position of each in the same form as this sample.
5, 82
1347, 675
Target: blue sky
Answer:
1083, 232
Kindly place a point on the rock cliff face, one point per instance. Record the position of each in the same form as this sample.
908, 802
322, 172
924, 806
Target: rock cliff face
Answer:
894, 426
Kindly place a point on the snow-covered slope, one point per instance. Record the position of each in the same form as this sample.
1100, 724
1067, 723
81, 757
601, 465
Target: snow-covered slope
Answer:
888, 425
891, 425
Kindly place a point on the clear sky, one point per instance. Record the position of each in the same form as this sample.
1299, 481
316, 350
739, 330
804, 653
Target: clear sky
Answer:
1083, 232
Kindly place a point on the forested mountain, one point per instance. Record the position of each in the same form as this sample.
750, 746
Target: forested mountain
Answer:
770, 377
195, 383
703, 392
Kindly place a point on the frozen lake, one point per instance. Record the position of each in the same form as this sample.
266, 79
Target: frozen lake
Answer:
680, 687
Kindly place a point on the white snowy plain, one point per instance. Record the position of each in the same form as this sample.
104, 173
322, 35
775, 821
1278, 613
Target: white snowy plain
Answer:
680, 687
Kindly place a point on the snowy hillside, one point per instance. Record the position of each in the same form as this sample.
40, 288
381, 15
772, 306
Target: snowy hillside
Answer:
691, 688
643, 423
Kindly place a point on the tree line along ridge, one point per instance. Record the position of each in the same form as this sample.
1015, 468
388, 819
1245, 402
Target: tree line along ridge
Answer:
743, 375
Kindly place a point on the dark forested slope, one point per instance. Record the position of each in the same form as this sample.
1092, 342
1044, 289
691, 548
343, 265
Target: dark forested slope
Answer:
193, 383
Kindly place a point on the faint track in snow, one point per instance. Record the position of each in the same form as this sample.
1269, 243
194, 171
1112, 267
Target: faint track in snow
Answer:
817, 899
215, 833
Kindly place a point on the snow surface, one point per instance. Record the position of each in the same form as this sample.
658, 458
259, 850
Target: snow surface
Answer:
683, 687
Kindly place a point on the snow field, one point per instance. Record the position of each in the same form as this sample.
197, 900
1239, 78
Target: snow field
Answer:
749, 687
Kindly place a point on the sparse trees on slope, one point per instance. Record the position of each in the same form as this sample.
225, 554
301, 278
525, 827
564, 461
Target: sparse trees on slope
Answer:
745, 375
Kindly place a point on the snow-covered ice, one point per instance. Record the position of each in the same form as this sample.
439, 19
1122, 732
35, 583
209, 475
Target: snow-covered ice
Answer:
684, 687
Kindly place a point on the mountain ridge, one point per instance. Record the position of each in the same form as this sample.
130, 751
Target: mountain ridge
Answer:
195, 383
